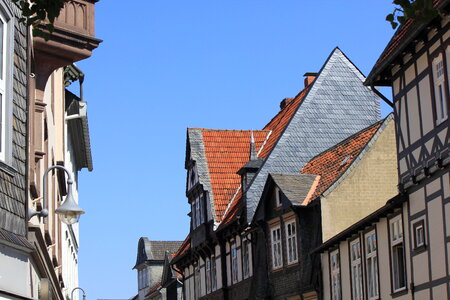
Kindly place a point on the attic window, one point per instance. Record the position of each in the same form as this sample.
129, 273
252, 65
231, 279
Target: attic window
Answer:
346, 159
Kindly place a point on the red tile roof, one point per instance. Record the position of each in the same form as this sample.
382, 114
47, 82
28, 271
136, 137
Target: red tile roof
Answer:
184, 248
332, 163
276, 127
154, 288
226, 152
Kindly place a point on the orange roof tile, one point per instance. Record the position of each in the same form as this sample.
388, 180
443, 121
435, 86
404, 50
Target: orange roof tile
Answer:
276, 127
184, 248
226, 152
332, 163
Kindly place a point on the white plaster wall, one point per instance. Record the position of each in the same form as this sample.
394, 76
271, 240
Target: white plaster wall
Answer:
14, 272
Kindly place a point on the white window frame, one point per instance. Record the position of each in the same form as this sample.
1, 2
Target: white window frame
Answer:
277, 197
277, 250
6, 84
397, 243
419, 234
335, 275
245, 258
356, 271
440, 98
291, 241
234, 263
371, 250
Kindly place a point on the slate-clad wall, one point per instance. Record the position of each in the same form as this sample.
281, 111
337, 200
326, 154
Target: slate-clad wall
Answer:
336, 106
12, 178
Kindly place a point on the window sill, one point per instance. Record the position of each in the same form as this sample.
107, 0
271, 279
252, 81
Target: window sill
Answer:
8, 169
420, 249
399, 292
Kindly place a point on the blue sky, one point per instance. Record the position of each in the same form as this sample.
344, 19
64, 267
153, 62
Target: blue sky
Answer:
166, 65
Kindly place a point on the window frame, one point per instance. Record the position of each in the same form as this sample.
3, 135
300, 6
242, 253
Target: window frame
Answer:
277, 197
245, 258
396, 241
276, 245
369, 258
356, 262
213, 274
6, 103
291, 237
234, 263
335, 273
416, 226
440, 88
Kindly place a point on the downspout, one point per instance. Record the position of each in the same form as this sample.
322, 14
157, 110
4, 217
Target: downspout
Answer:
377, 92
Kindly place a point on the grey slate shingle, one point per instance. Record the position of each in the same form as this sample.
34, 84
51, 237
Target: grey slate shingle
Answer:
294, 186
336, 106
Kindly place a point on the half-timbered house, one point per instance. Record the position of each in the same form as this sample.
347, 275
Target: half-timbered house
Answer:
402, 250
297, 211
227, 170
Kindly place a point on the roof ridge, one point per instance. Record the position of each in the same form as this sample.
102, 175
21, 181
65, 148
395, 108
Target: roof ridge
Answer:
234, 130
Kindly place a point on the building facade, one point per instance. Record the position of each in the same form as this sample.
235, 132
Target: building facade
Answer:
402, 250
45, 125
227, 171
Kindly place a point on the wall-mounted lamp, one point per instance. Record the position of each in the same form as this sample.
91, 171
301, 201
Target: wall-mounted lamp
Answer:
69, 212
78, 288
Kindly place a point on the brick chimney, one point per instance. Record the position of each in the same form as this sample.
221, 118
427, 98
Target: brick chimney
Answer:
309, 78
285, 102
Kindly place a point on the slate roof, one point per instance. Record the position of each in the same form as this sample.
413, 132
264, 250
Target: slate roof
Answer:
154, 250
296, 187
334, 162
404, 35
336, 105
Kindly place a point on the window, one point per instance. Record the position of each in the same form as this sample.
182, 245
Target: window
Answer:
197, 211
277, 256
197, 283
397, 254
245, 259
439, 90
208, 276
234, 264
5, 84
335, 275
213, 274
419, 234
372, 265
356, 270
291, 242
277, 197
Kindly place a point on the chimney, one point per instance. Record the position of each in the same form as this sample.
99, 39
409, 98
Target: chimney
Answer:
285, 102
309, 78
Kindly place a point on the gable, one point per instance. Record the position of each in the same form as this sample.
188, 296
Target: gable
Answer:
336, 106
